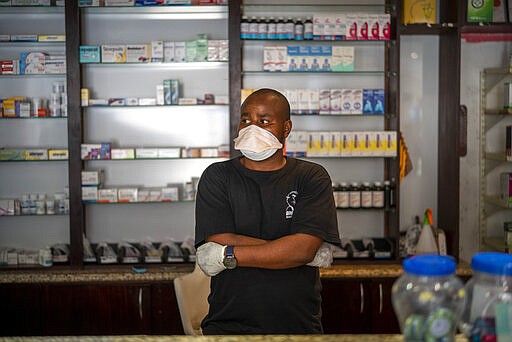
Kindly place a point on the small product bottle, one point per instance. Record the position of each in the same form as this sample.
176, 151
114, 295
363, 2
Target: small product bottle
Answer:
366, 195
388, 195
32, 199
244, 28
25, 204
253, 28
50, 206
377, 195
335, 193
280, 28
262, 28
289, 28
355, 196
344, 196
271, 28
41, 204
299, 29
308, 29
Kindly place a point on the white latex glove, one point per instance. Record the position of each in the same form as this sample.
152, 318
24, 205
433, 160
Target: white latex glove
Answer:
210, 257
323, 257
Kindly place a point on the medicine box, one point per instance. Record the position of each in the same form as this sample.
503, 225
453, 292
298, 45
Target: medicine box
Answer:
122, 153
138, 53
334, 144
146, 153
362, 26
180, 52
89, 194
209, 152
23, 37
92, 178
36, 154
143, 195
373, 26
379, 101
95, 151
12, 154
125, 195
343, 58
90, 54
351, 26
58, 154
169, 56
119, 3
107, 195
340, 28
9, 207
113, 53
336, 101
480, 11
31, 2
170, 194
169, 152
157, 51
51, 38
423, 11
506, 187
324, 99
357, 102
384, 26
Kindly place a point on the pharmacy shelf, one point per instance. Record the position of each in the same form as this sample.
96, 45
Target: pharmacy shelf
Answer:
23, 216
160, 106
315, 41
371, 115
30, 44
35, 118
346, 157
31, 10
160, 12
172, 66
302, 73
33, 76
247, 6
134, 203
34, 161
146, 159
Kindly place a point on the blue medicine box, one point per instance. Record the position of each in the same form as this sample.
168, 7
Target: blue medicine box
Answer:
90, 54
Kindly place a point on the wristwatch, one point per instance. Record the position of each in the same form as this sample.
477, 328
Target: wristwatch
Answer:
229, 258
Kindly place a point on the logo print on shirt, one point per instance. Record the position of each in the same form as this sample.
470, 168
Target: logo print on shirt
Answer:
291, 200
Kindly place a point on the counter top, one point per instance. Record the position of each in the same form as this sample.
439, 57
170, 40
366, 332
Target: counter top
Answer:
240, 338
123, 273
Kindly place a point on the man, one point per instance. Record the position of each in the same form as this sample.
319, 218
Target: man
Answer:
261, 223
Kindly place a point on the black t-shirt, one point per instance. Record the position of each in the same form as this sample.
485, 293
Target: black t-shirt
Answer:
267, 205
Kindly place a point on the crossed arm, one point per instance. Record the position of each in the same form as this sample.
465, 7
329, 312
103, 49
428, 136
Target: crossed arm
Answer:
286, 252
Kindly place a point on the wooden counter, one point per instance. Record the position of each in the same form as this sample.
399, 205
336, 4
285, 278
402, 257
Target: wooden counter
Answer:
124, 273
241, 338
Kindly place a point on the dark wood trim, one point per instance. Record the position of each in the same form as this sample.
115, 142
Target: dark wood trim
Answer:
235, 70
75, 132
448, 139
392, 122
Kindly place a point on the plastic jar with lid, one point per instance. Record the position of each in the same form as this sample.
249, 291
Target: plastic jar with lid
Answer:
428, 298
490, 285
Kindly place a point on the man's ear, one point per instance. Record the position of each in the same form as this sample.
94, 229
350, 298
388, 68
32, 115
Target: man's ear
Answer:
287, 128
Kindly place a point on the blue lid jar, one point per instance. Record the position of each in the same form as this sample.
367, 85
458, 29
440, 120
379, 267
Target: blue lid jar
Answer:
430, 265
493, 263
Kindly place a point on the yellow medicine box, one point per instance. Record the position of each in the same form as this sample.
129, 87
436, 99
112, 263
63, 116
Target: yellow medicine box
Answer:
419, 11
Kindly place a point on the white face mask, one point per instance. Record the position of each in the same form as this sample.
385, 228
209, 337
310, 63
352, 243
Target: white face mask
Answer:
256, 143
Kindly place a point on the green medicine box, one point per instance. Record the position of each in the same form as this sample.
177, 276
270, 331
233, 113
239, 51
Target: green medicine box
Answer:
480, 11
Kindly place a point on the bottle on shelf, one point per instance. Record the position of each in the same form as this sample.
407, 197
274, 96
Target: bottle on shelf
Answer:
271, 28
377, 195
355, 196
299, 29
308, 28
289, 27
389, 194
280, 28
253, 28
344, 196
366, 195
244, 27
262, 28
